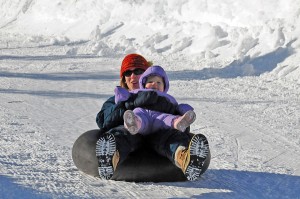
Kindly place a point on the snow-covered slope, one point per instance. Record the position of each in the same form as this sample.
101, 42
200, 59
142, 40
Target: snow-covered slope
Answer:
235, 62
206, 32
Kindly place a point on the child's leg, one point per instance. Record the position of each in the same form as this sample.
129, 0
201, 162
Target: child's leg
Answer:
145, 118
164, 121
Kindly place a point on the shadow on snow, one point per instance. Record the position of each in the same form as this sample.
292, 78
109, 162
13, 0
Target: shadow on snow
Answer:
245, 184
45, 57
247, 67
9, 189
105, 76
55, 94
62, 76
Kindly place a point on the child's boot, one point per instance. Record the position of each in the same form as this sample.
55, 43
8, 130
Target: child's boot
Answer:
132, 122
182, 122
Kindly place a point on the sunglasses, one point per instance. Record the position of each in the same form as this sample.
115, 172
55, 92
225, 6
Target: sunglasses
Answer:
137, 71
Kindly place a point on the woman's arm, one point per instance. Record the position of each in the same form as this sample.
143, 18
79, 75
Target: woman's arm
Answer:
110, 115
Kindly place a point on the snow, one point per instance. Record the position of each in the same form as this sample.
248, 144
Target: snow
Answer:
235, 62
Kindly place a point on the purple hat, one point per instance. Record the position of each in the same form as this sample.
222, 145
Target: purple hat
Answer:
154, 71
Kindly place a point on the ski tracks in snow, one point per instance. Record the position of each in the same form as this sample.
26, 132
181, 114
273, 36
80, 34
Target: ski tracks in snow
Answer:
248, 122
255, 153
251, 122
43, 113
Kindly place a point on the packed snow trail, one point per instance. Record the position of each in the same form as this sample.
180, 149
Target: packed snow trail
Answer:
252, 124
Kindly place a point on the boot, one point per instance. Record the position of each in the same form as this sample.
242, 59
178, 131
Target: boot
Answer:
190, 160
132, 122
107, 155
182, 122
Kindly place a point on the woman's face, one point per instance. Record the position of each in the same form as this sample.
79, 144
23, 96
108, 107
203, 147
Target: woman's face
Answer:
132, 78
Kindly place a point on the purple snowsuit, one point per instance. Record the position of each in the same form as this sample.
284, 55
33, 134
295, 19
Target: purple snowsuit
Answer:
152, 121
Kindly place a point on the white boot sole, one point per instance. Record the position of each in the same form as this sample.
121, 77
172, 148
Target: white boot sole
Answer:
199, 150
105, 149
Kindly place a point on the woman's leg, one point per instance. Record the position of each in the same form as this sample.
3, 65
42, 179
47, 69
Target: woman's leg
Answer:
186, 151
166, 141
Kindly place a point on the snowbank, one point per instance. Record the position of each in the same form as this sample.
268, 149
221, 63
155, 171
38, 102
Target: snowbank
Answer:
204, 33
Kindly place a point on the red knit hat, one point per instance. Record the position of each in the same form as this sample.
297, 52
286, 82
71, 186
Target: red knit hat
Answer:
133, 61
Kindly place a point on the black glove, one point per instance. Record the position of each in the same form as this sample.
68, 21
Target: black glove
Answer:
162, 105
142, 99
145, 98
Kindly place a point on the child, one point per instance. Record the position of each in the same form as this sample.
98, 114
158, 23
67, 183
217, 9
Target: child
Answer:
145, 121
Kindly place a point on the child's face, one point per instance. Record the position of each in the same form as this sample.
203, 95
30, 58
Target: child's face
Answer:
156, 83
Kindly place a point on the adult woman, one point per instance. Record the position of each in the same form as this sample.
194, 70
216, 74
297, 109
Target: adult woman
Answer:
116, 143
